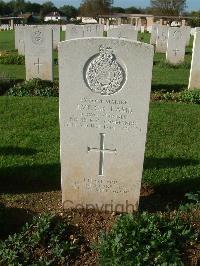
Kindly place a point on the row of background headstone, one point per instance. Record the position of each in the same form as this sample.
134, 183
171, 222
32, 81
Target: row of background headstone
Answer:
169, 40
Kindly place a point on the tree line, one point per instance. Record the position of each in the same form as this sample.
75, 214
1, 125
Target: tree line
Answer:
93, 8
17, 7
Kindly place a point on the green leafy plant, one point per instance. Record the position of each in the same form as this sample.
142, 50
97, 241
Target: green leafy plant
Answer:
12, 59
146, 239
35, 87
195, 197
46, 241
192, 205
192, 96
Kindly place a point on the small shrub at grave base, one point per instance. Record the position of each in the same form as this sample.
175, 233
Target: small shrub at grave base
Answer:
35, 87
192, 206
190, 96
46, 241
146, 239
183, 96
12, 59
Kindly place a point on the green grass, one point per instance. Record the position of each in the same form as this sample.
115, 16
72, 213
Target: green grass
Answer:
29, 145
7, 40
172, 158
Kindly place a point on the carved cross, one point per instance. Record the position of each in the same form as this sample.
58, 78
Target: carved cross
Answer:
38, 64
102, 151
175, 51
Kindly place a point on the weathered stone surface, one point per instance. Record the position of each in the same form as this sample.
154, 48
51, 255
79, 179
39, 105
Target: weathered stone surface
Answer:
194, 82
123, 32
39, 50
19, 39
90, 30
175, 46
153, 34
161, 40
93, 30
74, 32
187, 31
104, 102
21, 47
142, 29
56, 35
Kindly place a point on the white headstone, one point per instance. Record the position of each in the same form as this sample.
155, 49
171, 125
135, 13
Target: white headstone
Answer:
187, 32
142, 29
123, 32
39, 50
153, 34
64, 27
192, 32
93, 30
161, 40
74, 32
194, 82
56, 35
104, 102
19, 35
21, 47
149, 29
175, 46
107, 25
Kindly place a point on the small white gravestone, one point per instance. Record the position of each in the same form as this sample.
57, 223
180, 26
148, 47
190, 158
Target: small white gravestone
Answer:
161, 40
39, 53
16, 36
104, 103
187, 32
107, 25
194, 82
175, 46
153, 34
149, 29
192, 32
142, 29
74, 32
56, 35
123, 32
19, 39
21, 47
64, 27
93, 30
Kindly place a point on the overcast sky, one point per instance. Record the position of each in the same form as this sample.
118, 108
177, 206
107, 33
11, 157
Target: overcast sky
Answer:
192, 4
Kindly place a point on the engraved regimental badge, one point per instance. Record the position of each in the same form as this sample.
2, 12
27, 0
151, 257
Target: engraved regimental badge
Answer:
103, 74
37, 37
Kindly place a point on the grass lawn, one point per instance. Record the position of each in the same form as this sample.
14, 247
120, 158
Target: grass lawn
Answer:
29, 146
7, 40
